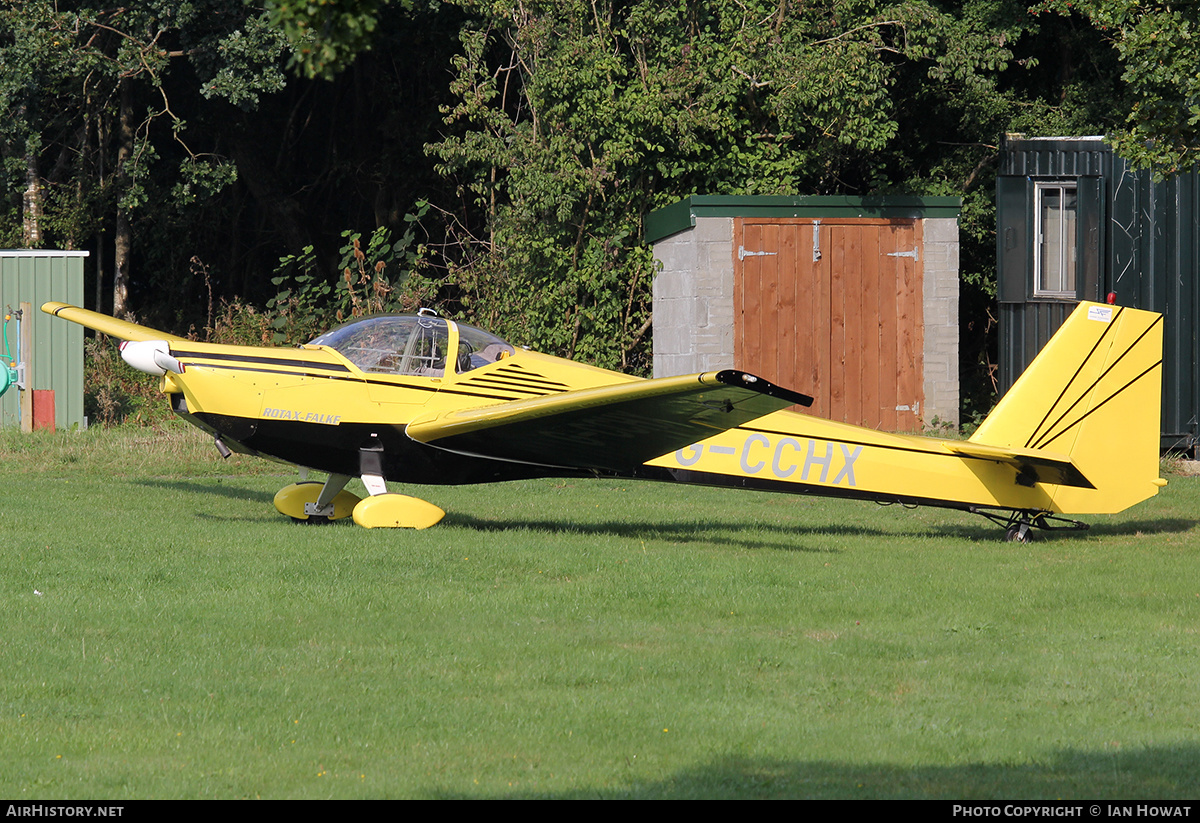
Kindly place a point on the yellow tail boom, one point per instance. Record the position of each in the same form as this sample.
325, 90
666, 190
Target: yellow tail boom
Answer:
1078, 433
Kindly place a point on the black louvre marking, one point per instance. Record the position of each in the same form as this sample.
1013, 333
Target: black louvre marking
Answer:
521, 373
480, 394
529, 392
512, 385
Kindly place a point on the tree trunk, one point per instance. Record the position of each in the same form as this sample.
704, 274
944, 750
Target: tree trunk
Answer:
123, 240
101, 143
31, 202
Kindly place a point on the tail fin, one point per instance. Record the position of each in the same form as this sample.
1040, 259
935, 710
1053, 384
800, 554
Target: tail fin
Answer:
1093, 395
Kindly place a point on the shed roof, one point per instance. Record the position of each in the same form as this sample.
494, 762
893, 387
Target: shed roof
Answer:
682, 215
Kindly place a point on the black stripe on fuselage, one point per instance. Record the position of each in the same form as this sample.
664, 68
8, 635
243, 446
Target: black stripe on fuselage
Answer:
337, 449
888, 446
265, 361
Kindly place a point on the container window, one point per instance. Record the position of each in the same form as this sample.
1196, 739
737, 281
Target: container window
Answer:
1056, 206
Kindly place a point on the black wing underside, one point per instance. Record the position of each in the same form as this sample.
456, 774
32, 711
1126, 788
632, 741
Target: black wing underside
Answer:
610, 428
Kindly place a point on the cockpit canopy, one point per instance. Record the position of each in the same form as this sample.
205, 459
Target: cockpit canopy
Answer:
413, 345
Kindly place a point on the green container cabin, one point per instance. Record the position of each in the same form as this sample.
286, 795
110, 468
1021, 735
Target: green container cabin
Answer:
1076, 222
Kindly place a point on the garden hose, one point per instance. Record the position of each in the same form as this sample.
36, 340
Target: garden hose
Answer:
8, 371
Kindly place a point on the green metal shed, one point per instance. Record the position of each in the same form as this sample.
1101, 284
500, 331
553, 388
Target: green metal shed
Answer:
35, 276
1075, 222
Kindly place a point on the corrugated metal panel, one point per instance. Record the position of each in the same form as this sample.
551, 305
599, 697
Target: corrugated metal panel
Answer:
35, 276
1057, 157
1170, 283
1024, 329
1149, 247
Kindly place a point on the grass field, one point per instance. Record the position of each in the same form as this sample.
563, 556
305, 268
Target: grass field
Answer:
168, 635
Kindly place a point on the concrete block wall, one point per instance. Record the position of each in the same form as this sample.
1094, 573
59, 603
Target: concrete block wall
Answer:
940, 281
693, 299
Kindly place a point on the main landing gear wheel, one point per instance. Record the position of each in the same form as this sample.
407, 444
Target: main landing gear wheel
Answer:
303, 502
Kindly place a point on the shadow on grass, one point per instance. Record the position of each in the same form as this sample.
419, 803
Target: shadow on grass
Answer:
989, 532
213, 487
982, 532
1166, 525
715, 532
710, 532
1154, 774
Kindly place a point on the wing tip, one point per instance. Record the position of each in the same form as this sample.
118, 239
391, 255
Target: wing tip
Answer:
745, 380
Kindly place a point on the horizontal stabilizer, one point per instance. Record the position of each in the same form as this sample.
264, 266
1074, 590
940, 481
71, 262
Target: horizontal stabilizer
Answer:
1032, 465
609, 428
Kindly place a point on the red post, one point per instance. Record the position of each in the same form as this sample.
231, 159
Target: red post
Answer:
43, 409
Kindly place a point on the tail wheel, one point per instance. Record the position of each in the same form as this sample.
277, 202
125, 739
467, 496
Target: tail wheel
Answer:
1019, 525
1017, 533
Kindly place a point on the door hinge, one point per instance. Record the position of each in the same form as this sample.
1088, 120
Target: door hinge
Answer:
743, 254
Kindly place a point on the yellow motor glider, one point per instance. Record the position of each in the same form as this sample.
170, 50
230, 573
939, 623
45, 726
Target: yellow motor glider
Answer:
421, 399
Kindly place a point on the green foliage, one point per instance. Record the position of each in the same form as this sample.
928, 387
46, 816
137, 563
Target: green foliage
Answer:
301, 299
573, 120
561, 126
1157, 43
125, 108
245, 64
372, 281
326, 35
240, 324
115, 393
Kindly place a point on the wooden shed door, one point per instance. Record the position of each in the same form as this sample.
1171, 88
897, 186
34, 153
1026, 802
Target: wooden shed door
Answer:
833, 308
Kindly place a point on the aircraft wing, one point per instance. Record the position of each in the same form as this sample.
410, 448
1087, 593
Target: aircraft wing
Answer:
106, 324
608, 428
1032, 465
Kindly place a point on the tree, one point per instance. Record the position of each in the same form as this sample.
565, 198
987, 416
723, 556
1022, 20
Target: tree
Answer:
227, 156
572, 120
326, 36
540, 133
1156, 43
94, 91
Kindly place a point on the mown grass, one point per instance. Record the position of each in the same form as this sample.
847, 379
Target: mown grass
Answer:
167, 634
